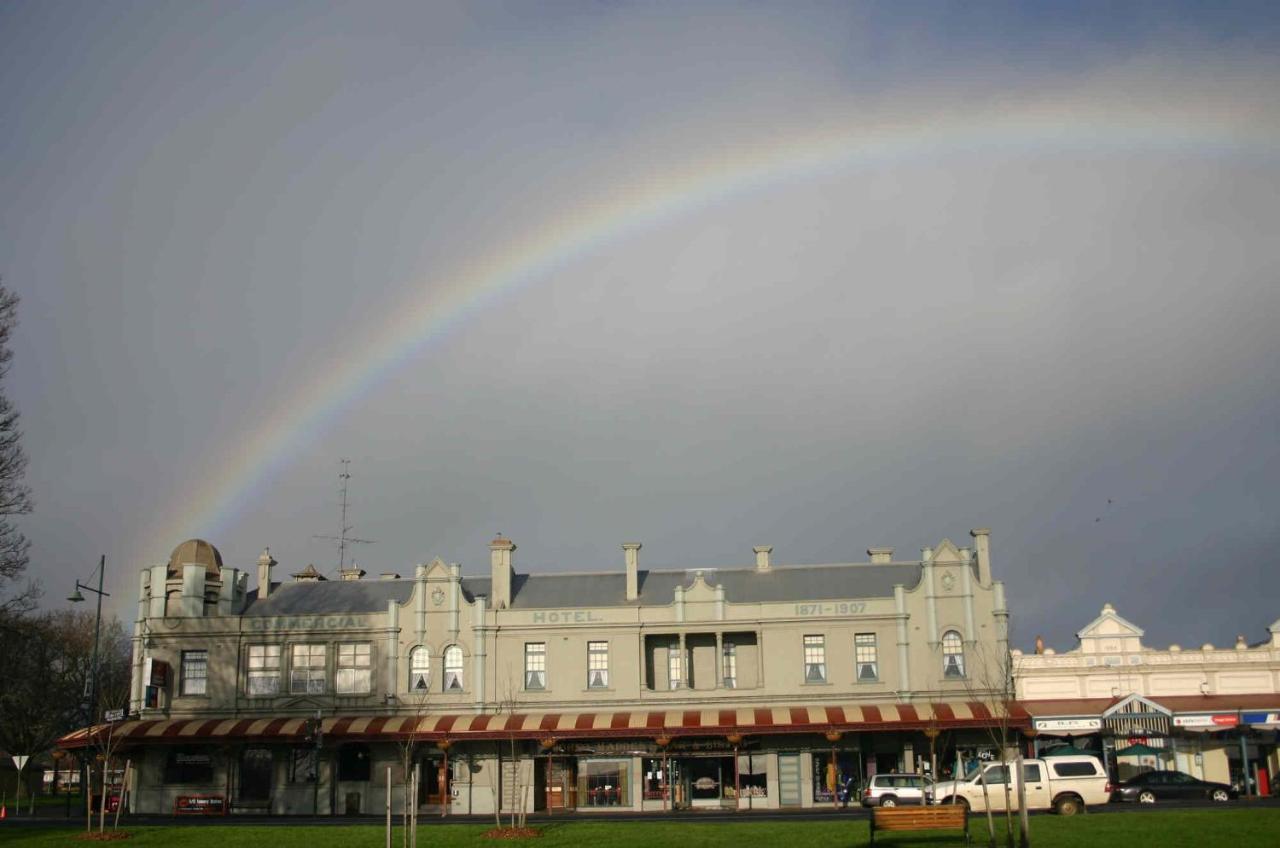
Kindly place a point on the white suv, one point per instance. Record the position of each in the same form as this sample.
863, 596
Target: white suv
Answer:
1065, 784
890, 790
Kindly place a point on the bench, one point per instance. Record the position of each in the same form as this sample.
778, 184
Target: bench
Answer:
944, 817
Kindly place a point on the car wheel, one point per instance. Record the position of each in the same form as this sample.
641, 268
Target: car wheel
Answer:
888, 801
958, 801
1146, 796
1067, 806
1221, 795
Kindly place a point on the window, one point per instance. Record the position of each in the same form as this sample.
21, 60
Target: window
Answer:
353, 762
864, 650
306, 672
996, 775
302, 765
1031, 772
189, 765
264, 669
604, 783
815, 659
1076, 768
195, 672
730, 660
420, 670
598, 665
753, 776
354, 675
535, 665
675, 674
952, 655
453, 669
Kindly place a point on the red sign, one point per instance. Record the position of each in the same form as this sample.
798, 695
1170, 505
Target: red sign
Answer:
199, 805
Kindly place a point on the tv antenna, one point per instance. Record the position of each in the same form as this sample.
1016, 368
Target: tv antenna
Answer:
342, 540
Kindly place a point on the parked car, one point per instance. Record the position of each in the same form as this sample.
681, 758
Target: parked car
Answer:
1167, 785
1064, 784
890, 790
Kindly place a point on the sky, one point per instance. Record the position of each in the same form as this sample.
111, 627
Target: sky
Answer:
703, 276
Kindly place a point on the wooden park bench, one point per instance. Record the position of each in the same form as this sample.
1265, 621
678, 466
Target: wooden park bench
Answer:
944, 817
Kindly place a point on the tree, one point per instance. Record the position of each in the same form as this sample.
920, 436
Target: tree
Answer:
990, 682
15, 498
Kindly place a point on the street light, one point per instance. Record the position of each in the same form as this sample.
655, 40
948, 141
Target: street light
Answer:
93, 673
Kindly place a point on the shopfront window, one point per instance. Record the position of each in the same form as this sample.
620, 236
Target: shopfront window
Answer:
655, 780
302, 765
753, 777
831, 777
353, 762
604, 783
189, 765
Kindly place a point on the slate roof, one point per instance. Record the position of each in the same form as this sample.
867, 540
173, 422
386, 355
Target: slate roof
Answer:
604, 589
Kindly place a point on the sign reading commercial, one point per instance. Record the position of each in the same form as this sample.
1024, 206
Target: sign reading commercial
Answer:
1061, 724
1207, 720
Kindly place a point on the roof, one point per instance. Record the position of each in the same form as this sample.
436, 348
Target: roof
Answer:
195, 552
741, 585
330, 596
673, 724
604, 589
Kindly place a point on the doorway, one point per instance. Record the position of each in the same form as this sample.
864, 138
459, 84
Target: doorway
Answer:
433, 783
255, 774
704, 780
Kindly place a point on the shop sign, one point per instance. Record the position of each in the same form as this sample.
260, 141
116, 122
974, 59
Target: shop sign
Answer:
1052, 724
306, 622
1262, 719
1217, 720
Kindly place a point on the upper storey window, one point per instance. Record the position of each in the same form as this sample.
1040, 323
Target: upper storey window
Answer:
354, 674
675, 668
729, 659
453, 669
420, 669
535, 665
306, 672
597, 665
952, 654
815, 659
864, 649
264, 669
195, 672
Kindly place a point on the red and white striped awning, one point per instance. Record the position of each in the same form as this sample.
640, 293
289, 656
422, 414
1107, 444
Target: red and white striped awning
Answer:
563, 726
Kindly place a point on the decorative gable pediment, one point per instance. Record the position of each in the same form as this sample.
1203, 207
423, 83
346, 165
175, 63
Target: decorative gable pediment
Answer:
700, 591
947, 552
438, 569
1109, 624
1135, 705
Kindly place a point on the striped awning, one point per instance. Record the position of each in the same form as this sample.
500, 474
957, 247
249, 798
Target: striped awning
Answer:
593, 725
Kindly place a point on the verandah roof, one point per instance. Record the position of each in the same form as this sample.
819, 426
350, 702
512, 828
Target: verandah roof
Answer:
591, 725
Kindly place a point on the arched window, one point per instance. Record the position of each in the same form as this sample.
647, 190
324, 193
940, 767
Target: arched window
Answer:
419, 669
453, 669
952, 654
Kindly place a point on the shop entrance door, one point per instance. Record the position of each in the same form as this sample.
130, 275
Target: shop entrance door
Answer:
255, 774
789, 780
705, 777
432, 781
561, 785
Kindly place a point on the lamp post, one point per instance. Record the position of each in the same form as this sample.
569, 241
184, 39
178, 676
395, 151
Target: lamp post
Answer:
93, 669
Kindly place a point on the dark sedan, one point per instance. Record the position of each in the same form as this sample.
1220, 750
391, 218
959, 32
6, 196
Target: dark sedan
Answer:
1167, 786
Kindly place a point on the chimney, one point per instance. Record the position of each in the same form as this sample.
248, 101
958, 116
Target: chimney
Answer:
763, 562
631, 551
264, 574
982, 543
501, 571
880, 556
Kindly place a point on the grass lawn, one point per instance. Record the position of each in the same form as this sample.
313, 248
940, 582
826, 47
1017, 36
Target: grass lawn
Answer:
1238, 828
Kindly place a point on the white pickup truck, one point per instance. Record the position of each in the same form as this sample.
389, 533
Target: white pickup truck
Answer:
1064, 784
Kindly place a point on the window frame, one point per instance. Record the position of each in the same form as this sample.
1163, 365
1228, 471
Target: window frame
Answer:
415, 670
535, 662
454, 673
860, 647
675, 667
729, 665
357, 669
265, 670
814, 646
953, 649
186, 678
312, 673
597, 663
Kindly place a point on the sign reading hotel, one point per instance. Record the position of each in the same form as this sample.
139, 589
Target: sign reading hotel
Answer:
1068, 724
1218, 720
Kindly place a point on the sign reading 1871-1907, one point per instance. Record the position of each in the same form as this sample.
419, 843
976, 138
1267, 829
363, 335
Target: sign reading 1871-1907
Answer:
841, 608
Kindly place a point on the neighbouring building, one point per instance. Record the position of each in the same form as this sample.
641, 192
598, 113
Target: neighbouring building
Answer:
758, 685
1210, 712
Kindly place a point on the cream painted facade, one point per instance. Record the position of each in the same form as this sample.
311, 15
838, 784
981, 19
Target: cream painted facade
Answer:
1203, 704
618, 688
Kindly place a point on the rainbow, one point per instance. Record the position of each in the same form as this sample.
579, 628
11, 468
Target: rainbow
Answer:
1061, 127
